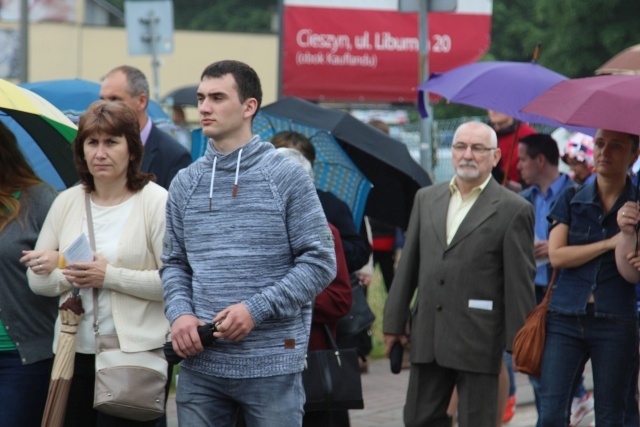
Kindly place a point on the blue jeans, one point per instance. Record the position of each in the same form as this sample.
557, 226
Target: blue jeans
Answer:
512, 378
580, 392
23, 390
612, 345
631, 415
205, 400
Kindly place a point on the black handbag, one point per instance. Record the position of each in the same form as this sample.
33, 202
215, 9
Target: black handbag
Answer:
360, 317
331, 378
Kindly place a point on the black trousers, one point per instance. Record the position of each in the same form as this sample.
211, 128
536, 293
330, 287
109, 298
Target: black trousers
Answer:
386, 260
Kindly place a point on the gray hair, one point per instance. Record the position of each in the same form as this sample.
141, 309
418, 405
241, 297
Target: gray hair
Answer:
493, 137
297, 157
136, 80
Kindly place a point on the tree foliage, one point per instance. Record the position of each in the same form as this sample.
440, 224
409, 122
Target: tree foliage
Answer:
246, 16
577, 36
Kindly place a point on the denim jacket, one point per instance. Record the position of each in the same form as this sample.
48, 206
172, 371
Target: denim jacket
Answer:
583, 212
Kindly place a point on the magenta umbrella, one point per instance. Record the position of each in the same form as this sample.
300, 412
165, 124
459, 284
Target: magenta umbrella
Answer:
603, 102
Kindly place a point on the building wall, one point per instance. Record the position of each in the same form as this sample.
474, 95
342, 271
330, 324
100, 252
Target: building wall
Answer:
67, 50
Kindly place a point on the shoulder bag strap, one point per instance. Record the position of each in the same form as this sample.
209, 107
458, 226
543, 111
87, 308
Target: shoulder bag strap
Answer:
547, 295
92, 241
329, 337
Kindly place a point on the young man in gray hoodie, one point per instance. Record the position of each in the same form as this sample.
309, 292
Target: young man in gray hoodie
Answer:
247, 245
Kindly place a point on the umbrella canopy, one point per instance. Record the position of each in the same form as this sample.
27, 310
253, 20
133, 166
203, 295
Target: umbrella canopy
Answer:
183, 96
500, 86
333, 170
625, 62
44, 134
71, 313
386, 163
73, 97
606, 102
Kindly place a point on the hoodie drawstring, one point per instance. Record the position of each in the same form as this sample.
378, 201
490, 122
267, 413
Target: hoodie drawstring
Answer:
234, 192
213, 178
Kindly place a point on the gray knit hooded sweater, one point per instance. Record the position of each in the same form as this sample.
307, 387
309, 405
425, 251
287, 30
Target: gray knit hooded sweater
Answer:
268, 247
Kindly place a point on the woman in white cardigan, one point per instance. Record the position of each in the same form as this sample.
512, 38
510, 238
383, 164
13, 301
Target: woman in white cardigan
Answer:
128, 213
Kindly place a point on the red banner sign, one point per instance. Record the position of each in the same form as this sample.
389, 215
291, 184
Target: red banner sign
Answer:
364, 55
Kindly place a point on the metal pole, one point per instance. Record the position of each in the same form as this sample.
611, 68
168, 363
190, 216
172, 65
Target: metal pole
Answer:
152, 38
280, 46
425, 124
24, 41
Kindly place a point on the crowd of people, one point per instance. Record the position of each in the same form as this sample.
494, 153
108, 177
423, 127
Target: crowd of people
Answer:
241, 238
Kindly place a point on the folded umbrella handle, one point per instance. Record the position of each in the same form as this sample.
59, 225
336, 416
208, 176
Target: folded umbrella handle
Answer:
205, 332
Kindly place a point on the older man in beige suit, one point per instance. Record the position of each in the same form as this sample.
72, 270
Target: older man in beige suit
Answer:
469, 254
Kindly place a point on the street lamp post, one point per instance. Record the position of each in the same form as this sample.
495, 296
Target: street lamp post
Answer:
24, 41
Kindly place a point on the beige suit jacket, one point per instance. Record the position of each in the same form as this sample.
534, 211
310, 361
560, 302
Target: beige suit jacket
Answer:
473, 294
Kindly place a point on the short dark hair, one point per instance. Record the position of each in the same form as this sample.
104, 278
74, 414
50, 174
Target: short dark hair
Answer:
113, 118
635, 141
247, 80
291, 139
542, 143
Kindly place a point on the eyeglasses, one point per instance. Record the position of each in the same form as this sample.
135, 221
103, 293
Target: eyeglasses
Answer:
475, 148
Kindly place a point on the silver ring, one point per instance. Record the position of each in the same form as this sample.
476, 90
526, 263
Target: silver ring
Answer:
38, 260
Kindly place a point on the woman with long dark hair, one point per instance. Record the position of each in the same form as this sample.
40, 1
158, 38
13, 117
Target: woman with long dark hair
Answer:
26, 319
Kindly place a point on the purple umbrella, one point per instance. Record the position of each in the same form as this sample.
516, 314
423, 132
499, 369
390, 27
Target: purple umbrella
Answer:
502, 86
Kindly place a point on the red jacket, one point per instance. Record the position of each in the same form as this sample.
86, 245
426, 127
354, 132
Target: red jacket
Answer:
333, 302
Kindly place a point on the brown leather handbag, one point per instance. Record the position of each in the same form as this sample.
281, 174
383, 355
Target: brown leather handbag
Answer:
528, 345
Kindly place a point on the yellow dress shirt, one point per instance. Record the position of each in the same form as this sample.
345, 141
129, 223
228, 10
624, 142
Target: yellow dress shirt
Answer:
459, 208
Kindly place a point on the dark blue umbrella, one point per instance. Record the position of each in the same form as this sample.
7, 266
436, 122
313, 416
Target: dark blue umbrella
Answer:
183, 97
333, 170
73, 96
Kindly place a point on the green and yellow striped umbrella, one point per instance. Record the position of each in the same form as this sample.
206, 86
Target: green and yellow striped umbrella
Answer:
51, 130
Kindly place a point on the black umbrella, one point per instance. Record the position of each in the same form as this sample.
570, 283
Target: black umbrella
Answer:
395, 176
184, 96
205, 332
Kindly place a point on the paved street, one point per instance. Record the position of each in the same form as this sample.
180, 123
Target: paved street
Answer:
384, 395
